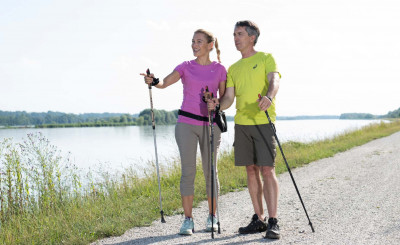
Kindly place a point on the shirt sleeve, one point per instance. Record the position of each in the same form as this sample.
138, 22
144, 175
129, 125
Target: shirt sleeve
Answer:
270, 65
229, 80
223, 75
180, 68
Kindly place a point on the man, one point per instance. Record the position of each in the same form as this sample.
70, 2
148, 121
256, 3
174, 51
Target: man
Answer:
255, 144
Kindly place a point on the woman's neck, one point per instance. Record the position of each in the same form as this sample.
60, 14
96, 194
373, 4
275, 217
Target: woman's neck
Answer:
203, 60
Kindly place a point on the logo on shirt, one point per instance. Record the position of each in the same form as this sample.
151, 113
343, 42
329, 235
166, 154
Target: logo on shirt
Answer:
212, 71
254, 67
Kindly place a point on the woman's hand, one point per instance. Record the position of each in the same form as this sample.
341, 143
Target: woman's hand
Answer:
212, 104
148, 79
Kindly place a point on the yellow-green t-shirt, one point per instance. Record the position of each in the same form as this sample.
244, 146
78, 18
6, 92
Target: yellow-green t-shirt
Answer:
249, 77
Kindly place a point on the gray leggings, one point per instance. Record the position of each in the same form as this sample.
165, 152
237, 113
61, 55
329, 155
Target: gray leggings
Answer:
187, 136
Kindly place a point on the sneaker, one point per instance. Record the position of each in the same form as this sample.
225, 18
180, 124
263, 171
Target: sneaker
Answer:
211, 223
272, 229
187, 227
256, 225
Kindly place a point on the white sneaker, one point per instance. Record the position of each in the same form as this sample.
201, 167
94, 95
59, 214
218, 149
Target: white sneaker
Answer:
187, 227
211, 223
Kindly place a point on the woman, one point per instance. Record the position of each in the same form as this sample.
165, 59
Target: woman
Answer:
191, 128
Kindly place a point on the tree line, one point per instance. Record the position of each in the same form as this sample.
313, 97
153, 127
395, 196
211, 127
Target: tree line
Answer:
59, 119
390, 114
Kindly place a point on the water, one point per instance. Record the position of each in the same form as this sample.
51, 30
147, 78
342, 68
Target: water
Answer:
119, 147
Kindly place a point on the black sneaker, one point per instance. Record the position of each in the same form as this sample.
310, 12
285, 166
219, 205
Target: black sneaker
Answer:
272, 229
255, 226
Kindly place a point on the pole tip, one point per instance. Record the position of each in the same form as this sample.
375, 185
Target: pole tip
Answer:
162, 217
312, 228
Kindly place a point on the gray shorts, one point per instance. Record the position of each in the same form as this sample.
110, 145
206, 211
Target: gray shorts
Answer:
254, 144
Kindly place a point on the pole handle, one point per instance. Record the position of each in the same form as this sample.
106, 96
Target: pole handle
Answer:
148, 74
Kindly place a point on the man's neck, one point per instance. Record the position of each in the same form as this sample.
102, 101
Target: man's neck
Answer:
248, 52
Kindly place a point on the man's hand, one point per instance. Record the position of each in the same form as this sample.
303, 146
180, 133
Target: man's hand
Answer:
264, 102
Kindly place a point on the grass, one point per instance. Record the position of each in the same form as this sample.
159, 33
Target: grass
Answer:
44, 200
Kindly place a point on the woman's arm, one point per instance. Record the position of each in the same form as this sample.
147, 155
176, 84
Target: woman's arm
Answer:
168, 80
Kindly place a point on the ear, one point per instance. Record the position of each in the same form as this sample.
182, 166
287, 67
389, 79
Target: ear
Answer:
253, 38
211, 46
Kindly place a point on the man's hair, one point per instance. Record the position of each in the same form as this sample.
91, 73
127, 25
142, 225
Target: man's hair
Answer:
251, 28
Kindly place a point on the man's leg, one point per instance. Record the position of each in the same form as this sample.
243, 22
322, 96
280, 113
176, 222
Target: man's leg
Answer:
271, 193
271, 190
255, 187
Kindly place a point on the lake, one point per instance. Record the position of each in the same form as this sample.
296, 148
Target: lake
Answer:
118, 147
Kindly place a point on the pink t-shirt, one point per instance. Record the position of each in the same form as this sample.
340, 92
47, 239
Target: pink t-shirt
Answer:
195, 78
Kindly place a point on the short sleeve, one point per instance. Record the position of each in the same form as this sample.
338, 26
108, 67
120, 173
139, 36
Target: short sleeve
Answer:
223, 74
270, 64
229, 80
181, 68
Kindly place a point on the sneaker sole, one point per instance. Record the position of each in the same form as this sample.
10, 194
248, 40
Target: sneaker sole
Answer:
186, 233
271, 235
252, 232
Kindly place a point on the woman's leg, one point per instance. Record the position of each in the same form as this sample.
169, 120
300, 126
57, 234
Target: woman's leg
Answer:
204, 142
187, 144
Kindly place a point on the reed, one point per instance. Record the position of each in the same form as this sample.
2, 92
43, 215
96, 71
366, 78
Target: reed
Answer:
45, 199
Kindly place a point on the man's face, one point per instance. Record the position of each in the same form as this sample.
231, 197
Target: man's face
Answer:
242, 38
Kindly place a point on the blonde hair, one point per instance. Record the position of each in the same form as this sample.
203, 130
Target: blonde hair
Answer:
210, 38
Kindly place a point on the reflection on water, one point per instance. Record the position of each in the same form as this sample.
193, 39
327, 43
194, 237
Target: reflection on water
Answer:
116, 147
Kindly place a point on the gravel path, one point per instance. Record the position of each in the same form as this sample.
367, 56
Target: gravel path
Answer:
352, 198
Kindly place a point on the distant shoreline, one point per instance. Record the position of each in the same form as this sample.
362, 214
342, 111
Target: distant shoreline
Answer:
229, 118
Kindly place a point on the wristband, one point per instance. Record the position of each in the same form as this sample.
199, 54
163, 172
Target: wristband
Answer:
268, 98
155, 81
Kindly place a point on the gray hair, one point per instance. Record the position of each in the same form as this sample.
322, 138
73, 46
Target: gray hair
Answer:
251, 28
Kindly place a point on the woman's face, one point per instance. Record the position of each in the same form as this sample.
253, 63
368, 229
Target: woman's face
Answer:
200, 46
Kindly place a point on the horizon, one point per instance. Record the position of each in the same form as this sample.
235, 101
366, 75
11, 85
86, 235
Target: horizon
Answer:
137, 113
80, 57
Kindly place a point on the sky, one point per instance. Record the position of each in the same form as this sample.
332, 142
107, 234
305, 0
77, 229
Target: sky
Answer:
83, 56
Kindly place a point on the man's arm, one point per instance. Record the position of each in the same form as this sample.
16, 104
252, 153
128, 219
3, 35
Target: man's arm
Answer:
265, 102
224, 102
274, 79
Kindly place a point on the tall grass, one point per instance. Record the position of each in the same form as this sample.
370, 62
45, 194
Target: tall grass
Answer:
45, 199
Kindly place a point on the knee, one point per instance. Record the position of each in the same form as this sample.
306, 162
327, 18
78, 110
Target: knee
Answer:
252, 170
268, 172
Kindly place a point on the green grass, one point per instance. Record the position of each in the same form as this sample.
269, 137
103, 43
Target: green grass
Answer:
43, 200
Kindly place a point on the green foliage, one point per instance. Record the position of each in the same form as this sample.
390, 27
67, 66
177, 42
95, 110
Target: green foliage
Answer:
357, 116
391, 114
394, 114
63, 120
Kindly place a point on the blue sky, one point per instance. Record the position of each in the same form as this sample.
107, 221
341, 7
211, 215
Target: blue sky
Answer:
85, 56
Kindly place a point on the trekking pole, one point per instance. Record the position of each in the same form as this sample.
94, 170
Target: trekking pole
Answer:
155, 149
287, 165
213, 176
